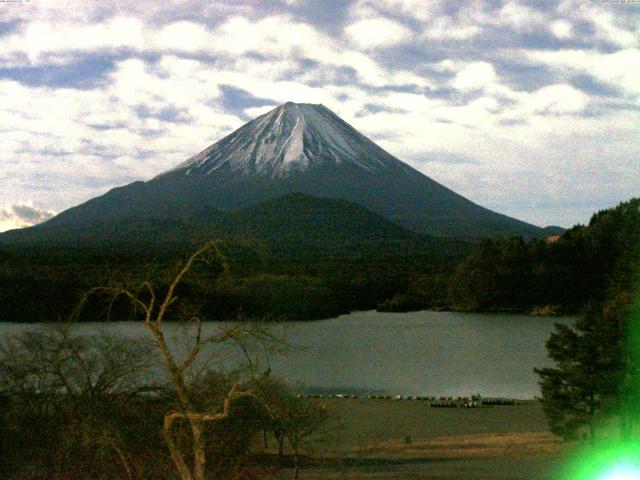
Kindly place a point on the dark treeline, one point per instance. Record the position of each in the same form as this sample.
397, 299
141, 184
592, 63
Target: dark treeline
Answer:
596, 374
290, 276
283, 279
561, 274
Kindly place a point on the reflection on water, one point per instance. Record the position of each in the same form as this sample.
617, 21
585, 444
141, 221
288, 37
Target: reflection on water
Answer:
417, 353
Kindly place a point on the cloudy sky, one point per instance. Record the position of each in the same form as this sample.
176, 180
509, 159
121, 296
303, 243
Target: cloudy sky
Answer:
529, 108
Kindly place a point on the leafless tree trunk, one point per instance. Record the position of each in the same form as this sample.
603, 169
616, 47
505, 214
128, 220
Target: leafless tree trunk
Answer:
296, 460
154, 315
280, 446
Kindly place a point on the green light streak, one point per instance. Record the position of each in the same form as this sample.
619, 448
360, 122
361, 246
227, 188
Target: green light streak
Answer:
622, 473
609, 461
614, 458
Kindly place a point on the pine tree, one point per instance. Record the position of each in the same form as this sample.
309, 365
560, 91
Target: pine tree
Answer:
591, 364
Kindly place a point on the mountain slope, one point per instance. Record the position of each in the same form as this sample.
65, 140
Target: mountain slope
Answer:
294, 220
299, 217
295, 148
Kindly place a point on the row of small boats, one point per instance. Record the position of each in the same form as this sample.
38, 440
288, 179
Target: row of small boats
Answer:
438, 402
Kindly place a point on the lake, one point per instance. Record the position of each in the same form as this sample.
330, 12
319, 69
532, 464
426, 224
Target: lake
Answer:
416, 353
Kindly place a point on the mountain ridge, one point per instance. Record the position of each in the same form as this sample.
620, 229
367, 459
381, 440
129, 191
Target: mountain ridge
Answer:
297, 148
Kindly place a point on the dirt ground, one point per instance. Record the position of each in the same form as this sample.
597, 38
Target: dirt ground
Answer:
386, 439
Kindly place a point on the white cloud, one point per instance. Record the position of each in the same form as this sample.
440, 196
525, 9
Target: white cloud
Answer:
475, 76
430, 17
557, 99
275, 36
45, 42
611, 22
562, 29
521, 18
409, 102
184, 36
444, 29
608, 29
40, 39
619, 69
85, 12
377, 32
254, 112
278, 37
418, 9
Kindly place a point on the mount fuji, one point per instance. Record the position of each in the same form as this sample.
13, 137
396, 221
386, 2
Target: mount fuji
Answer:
294, 148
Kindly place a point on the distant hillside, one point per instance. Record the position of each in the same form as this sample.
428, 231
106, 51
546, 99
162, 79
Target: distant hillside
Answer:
303, 217
296, 220
300, 222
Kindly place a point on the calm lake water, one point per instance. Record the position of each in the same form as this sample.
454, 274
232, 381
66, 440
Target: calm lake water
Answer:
417, 353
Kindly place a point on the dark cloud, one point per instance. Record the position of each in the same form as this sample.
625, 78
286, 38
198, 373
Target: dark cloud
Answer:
7, 27
236, 99
512, 121
25, 214
592, 86
107, 126
413, 56
166, 114
55, 151
525, 76
86, 72
444, 157
327, 15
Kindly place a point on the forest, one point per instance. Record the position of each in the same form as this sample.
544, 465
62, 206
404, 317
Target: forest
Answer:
558, 275
282, 278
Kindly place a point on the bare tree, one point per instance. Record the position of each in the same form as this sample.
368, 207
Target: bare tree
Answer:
75, 386
155, 308
292, 417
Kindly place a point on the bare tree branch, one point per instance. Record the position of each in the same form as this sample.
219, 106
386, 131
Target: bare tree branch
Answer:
176, 281
145, 300
195, 350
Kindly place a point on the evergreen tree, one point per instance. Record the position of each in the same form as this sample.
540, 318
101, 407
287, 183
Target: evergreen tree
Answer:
591, 364
598, 359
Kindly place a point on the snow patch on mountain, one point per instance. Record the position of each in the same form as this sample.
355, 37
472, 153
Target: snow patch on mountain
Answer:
292, 137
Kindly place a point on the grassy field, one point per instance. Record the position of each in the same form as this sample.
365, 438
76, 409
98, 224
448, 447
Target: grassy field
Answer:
386, 439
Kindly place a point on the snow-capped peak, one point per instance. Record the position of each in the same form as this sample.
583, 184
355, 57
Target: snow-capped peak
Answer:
292, 137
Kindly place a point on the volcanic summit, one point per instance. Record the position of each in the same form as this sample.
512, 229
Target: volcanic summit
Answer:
296, 148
